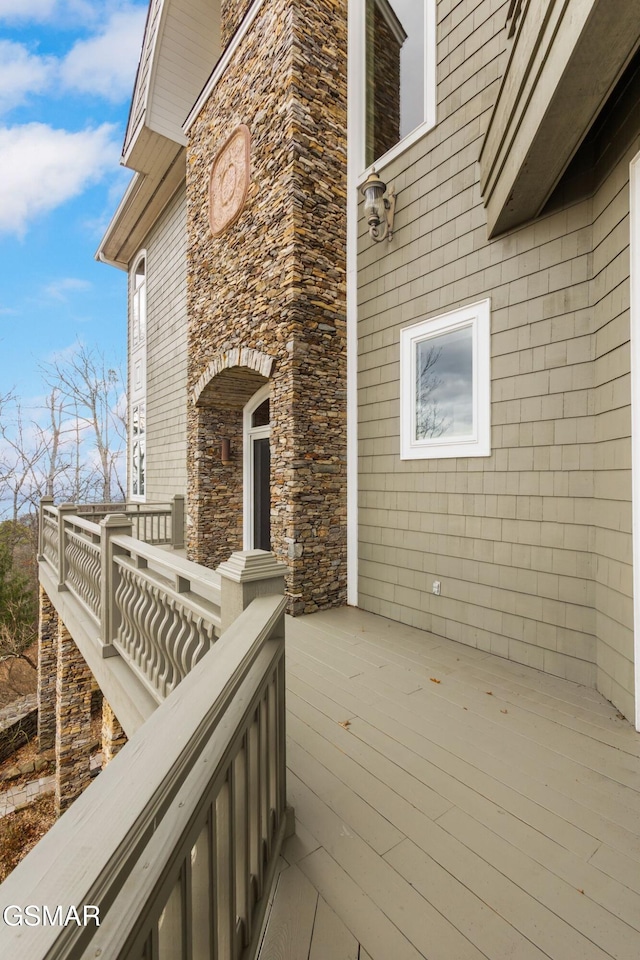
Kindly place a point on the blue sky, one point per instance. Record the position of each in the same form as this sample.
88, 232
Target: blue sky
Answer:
67, 69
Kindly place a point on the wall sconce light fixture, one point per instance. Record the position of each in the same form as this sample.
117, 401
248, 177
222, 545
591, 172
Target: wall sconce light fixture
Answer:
378, 209
225, 451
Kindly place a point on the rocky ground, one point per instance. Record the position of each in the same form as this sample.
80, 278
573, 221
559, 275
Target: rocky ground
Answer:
34, 814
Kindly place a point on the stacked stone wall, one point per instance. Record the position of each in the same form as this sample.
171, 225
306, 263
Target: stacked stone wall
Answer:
275, 282
74, 683
232, 13
113, 736
18, 725
47, 665
220, 508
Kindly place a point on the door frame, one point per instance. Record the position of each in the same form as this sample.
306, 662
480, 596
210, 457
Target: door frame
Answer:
249, 434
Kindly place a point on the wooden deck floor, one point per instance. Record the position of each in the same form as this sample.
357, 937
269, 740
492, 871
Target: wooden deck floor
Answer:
450, 805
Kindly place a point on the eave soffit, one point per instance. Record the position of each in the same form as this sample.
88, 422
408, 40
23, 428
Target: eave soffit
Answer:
563, 63
177, 32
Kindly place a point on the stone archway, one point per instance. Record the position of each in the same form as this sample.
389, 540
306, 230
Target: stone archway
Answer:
246, 357
215, 455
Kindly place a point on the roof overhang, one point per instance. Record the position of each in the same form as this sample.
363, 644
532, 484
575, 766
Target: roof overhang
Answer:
183, 32
564, 62
145, 198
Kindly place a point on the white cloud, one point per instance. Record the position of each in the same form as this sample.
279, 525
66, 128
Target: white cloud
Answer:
42, 168
26, 9
62, 12
102, 64
105, 64
60, 289
21, 73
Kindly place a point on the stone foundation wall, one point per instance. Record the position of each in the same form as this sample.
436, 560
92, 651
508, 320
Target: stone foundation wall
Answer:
47, 665
74, 683
18, 725
275, 283
113, 736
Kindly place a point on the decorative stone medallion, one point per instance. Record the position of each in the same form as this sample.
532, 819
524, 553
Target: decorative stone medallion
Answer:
229, 180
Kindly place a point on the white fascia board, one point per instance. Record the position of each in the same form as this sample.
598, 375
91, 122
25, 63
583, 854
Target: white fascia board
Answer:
121, 213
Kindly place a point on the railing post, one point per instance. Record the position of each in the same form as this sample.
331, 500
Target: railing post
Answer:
177, 522
64, 509
113, 525
243, 577
44, 502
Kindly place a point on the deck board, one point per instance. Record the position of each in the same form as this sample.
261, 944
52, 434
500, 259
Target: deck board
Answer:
495, 814
442, 771
290, 923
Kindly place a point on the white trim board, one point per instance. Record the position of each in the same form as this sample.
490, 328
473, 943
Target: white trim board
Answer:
634, 263
249, 433
355, 138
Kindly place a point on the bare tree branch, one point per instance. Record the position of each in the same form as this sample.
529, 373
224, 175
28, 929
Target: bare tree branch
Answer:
429, 421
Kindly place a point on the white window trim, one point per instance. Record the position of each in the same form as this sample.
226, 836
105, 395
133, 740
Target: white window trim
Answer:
478, 317
142, 436
250, 433
358, 64
138, 353
634, 261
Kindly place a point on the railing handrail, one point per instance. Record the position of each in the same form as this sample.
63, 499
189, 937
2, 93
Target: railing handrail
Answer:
172, 564
81, 523
153, 796
161, 618
169, 528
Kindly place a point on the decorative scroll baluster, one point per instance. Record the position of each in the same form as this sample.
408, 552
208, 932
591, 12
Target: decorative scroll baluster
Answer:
158, 633
83, 569
50, 540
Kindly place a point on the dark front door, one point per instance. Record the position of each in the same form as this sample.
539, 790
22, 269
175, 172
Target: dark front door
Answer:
261, 494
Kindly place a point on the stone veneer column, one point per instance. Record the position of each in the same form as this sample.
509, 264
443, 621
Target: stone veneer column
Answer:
47, 665
74, 683
274, 283
113, 736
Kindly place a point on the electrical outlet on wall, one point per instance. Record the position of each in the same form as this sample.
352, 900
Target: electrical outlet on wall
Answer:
436, 587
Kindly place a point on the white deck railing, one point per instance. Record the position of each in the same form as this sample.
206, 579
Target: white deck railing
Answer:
159, 523
176, 842
158, 611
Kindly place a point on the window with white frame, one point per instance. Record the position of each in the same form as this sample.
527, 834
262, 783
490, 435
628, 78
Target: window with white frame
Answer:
400, 69
445, 385
138, 378
139, 302
138, 450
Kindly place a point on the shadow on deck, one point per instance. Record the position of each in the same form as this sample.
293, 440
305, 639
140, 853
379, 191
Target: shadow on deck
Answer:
450, 805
